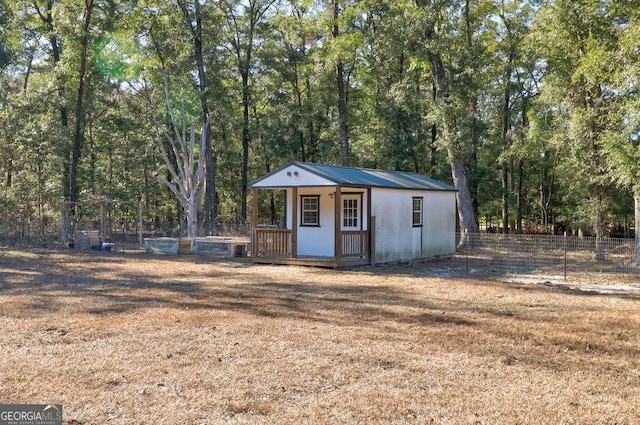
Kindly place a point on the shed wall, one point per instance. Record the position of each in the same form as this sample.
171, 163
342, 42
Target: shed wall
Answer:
316, 241
395, 237
293, 176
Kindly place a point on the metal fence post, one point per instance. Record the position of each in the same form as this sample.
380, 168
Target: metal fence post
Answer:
565, 255
466, 248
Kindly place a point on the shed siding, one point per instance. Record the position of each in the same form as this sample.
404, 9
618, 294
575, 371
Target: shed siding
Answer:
396, 239
317, 241
439, 231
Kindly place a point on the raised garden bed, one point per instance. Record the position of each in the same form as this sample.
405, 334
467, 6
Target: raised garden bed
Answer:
212, 246
161, 246
221, 247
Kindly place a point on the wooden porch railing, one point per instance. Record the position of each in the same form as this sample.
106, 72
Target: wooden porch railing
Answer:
272, 242
355, 243
277, 243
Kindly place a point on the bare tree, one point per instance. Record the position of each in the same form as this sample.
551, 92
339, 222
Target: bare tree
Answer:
192, 15
187, 171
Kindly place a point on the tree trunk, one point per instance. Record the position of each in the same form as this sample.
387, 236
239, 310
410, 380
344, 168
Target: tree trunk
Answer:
296, 88
47, 18
342, 115
245, 142
243, 44
192, 217
78, 132
598, 225
506, 143
312, 147
472, 111
521, 171
636, 200
520, 197
472, 162
466, 217
41, 198
210, 204
342, 94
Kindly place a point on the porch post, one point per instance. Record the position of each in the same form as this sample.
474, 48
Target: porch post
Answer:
254, 222
294, 223
370, 227
337, 236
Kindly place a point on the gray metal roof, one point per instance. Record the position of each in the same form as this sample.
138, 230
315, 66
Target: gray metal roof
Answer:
363, 177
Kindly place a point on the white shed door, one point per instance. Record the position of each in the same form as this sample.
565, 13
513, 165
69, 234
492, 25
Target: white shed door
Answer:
351, 218
416, 242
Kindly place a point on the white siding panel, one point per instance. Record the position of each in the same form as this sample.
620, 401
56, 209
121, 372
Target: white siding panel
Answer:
393, 224
439, 231
293, 176
395, 237
317, 241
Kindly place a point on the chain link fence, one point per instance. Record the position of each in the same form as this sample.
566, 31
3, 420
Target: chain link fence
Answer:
25, 232
122, 229
553, 256
232, 225
556, 256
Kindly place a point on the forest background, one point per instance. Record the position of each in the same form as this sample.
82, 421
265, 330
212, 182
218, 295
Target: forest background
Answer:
530, 108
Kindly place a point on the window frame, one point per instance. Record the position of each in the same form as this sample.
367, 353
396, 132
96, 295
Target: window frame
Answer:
420, 211
304, 223
351, 213
359, 197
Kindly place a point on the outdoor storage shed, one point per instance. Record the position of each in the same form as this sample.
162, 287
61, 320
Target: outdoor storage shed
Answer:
340, 216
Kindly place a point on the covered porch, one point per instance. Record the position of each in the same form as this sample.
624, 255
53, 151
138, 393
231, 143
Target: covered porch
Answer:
322, 226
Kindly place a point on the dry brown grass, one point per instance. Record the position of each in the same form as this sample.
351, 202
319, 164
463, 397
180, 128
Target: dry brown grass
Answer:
124, 339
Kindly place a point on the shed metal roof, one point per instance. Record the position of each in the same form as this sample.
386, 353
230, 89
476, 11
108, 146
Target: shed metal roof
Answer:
363, 177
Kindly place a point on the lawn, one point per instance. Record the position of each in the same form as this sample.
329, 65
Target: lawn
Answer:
141, 339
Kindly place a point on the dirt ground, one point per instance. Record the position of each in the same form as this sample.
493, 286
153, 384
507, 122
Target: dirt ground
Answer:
133, 338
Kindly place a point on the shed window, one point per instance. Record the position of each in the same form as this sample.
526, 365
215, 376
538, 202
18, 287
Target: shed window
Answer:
417, 212
350, 213
310, 210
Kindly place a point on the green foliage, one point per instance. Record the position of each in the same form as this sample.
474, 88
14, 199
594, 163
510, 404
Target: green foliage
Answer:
562, 75
583, 97
118, 57
5, 52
